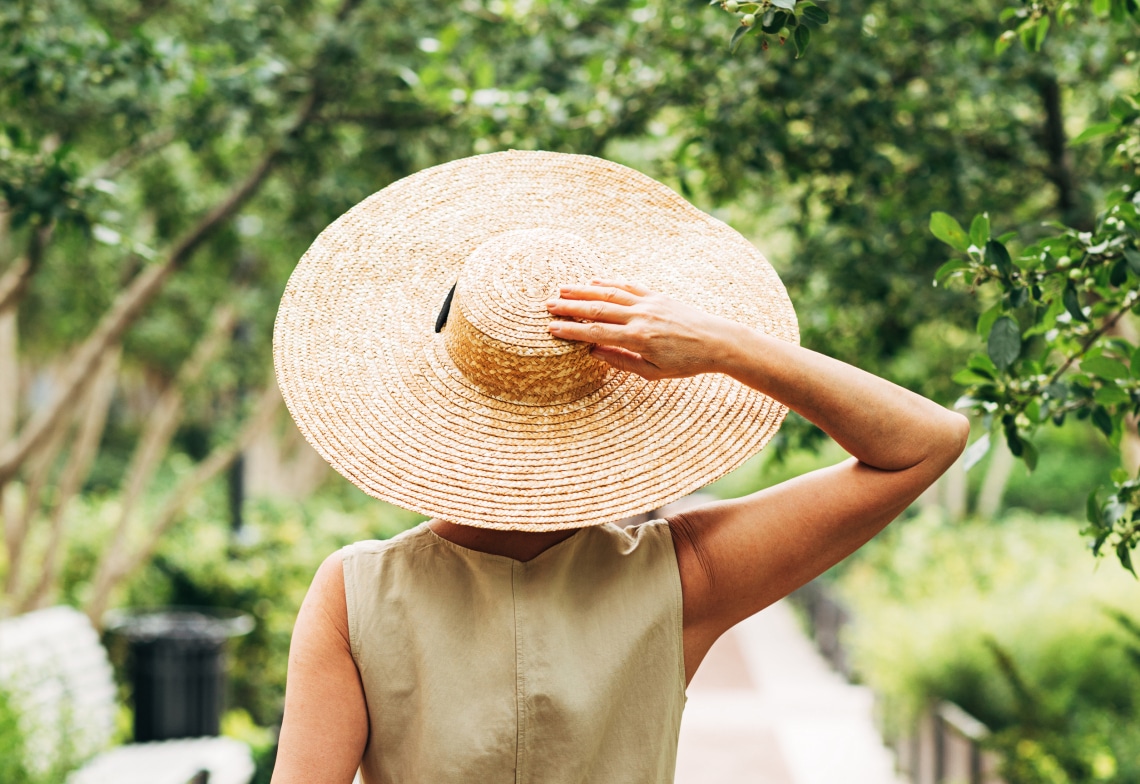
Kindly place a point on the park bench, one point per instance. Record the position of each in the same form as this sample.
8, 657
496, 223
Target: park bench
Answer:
58, 677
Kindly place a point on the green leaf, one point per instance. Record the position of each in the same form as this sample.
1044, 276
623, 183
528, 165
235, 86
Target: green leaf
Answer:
1033, 411
1103, 421
773, 20
1105, 367
997, 255
968, 378
1042, 31
1118, 276
1095, 131
1135, 362
946, 228
980, 229
1004, 343
815, 15
949, 268
1073, 303
788, 4
1118, 476
801, 38
1092, 511
1003, 42
1133, 257
737, 35
1029, 454
1124, 553
1111, 395
982, 364
1013, 440
1027, 32
1122, 109
987, 319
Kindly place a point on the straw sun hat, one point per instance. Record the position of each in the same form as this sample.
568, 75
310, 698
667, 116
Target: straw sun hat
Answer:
490, 421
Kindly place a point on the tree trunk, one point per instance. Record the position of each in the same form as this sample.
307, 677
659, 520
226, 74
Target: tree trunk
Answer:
152, 444
38, 472
1056, 147
85, 447
953, 484
993, 487
122, 564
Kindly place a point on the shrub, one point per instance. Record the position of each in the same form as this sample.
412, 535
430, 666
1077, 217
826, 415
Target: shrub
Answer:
1012, 623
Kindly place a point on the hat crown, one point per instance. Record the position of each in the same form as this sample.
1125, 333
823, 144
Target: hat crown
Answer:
498, 330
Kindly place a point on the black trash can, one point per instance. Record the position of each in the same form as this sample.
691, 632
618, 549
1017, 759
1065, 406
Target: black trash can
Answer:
176, 665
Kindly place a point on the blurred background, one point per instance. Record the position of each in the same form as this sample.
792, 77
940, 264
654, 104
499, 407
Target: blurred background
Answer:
163, 165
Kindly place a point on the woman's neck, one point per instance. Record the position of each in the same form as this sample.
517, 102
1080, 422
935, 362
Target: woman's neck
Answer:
519, 545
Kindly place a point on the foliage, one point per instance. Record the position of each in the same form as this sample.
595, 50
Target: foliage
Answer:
1072, 459
204, 146
265, 572
15, 754
782, 19
1031, 20
262, 742
1059, 342
1007, 621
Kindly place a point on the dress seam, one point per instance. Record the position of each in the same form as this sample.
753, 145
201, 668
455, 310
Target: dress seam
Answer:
520, 681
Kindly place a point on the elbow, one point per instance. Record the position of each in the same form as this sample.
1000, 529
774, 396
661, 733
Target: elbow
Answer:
953, 443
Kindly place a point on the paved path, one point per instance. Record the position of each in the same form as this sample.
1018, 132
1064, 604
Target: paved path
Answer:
765, 708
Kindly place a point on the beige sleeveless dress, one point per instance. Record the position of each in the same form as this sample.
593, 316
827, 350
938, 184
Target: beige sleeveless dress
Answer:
480, 669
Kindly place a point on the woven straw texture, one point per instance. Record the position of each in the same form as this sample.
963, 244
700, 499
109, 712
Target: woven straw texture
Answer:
492, 422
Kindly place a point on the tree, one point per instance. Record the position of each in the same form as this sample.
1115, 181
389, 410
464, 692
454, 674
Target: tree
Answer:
1061, 340
163, 165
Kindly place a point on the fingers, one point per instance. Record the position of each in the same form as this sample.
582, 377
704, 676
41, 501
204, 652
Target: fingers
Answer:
594, 332
590, 310
599, 293
625, 285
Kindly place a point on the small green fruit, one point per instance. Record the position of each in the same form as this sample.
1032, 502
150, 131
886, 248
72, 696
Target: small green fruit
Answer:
748, 20
731, 6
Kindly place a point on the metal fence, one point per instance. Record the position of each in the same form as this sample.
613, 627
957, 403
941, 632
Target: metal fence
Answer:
946, 745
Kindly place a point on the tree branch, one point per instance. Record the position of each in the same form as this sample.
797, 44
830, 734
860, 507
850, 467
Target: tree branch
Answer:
157, 433
1055, 144
75, 471
40, 464
20, 272
130, 303
1129, 301
121, 564
128, 156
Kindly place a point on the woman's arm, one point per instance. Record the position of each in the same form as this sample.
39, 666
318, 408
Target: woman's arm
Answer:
738, 556
325, 728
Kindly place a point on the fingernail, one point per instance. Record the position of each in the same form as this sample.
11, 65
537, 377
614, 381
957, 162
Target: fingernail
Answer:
550, 305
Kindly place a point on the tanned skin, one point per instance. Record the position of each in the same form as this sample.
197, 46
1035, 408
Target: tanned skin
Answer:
735, 557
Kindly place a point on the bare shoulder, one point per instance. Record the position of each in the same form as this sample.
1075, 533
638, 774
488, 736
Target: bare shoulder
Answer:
325, 726
737, 556
325, 609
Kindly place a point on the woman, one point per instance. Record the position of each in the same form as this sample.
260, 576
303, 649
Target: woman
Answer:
516, 636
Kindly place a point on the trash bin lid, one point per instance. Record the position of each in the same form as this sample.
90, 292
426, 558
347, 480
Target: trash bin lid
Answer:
181, 623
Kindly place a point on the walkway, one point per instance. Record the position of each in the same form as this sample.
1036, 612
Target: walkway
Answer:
765, 708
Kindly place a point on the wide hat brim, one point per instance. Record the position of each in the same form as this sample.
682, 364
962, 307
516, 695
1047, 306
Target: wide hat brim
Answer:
371, 386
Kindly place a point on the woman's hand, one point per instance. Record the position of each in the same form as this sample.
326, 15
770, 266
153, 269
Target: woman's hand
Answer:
736, 557
641, 331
